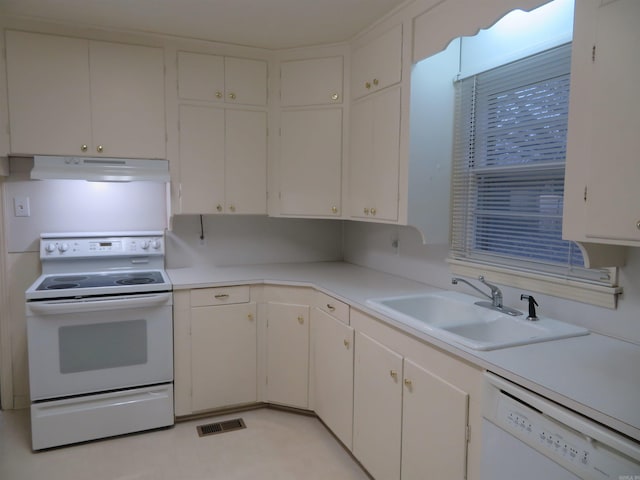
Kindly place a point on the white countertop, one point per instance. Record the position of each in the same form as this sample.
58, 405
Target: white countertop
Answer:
594, 375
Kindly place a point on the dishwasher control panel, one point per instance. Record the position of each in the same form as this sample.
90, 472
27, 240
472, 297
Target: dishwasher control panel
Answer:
572, 447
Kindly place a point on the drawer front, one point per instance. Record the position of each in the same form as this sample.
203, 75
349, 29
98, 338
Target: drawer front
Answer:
333, 307
201, 297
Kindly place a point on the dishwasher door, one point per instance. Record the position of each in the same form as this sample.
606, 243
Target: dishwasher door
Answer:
528, 437
505, 457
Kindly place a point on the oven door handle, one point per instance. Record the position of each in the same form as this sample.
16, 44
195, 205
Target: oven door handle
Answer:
79, 305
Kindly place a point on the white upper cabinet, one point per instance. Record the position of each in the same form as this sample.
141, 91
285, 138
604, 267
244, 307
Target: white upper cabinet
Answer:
377, 64
71, 96
223, 160
375, 157
602, 199
311, 162
222, 79
316, 81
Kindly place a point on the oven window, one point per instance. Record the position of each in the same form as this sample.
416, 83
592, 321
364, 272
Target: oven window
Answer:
102, 345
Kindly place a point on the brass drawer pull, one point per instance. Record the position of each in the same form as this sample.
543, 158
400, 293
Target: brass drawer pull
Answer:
222, 296
330, 307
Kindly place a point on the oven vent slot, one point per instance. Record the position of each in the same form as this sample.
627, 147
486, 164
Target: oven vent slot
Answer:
221, 427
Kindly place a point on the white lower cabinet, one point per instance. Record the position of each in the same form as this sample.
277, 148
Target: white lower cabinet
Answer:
223, 356
377, 408
408, 423
434, 426
333, 374
288, 354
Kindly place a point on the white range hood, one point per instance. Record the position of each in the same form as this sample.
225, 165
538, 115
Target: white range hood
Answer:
99, 169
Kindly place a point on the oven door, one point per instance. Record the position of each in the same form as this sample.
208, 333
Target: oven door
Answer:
79, 346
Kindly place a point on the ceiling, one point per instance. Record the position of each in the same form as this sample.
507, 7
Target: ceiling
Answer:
273, 24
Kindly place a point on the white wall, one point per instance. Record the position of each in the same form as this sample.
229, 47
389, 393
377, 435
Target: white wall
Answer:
370, 245
77, 205
242, 240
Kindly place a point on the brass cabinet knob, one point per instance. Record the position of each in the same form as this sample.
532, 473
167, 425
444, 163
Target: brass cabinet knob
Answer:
366, 211
373, 211
375, 82
367, 85
232, 96
300, 319
218, 94
232, 208
638, 224
346, 343
83, 148
219, 208
393, 374
100, 148
408, 383
335, 96
250, 316
334, 209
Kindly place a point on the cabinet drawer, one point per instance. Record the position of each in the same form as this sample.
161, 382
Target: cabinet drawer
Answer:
333, 307
219, 296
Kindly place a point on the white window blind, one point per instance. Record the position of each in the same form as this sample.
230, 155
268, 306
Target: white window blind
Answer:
508, 173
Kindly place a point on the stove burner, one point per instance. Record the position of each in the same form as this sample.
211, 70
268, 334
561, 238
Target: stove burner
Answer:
70, 278
62, 286
135, 281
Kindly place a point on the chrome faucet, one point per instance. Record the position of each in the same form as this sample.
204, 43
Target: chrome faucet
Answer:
495, 297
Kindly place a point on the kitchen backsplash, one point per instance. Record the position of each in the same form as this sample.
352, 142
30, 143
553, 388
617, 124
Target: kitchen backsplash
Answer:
243, 240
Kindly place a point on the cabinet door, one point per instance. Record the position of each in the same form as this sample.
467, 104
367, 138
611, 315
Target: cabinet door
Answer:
311, 162
288, 354
614, 169
223, 356
377, 408
245, 81
246, 162
434, 426
127, 100
202, 153
200, 77
333, 374
385, 160
361, 149
316, 81
49, 94
377, 64
375, 157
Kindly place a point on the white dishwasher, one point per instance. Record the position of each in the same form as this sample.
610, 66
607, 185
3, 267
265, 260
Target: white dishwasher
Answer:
527, 437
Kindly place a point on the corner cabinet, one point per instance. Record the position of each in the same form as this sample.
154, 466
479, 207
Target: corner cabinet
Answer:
70, 96
288, 354
602, 168
311, 126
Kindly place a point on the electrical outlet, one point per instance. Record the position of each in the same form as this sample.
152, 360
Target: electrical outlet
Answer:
21, 207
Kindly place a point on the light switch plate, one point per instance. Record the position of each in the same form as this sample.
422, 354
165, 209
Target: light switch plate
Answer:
21, 207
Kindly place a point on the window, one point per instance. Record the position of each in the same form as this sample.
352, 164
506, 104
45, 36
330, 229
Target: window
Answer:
508, 169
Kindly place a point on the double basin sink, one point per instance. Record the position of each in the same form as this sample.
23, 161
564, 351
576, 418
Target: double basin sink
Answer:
455, 316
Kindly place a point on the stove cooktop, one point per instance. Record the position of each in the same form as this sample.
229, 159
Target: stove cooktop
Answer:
92, 280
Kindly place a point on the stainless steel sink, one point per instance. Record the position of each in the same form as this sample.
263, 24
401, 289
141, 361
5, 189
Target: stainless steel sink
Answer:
454, 316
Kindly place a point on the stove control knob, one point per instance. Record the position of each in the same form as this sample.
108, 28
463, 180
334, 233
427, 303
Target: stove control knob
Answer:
145, 244
50, 248
63, 247
156, 244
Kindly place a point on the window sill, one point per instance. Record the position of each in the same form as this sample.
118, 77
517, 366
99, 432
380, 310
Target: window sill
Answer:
601, 296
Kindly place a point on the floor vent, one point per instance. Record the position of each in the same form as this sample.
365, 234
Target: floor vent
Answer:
221, 427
